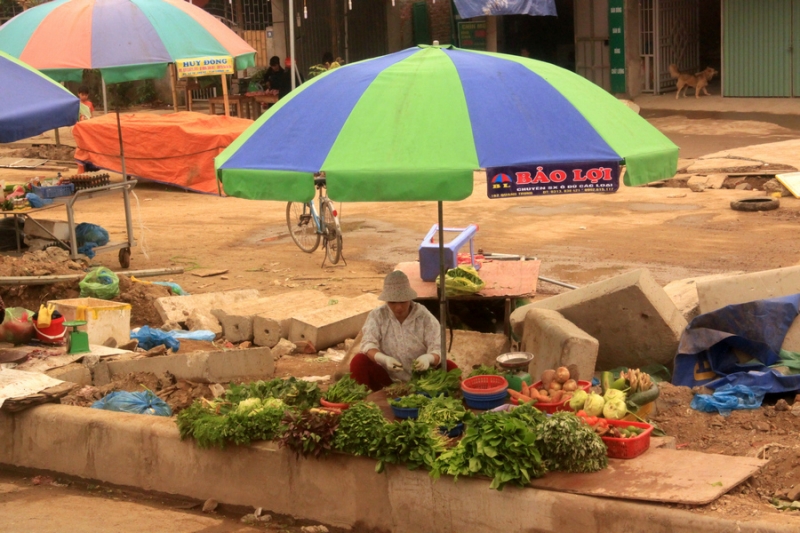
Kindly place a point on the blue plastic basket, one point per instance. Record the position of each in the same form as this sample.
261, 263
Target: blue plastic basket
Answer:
455, 431
405, 412
54, 191
486, 402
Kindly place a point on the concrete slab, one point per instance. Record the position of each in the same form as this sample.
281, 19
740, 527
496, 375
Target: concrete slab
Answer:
715, 294
722, 163
554, 341
341, 490
333, 324
178, 308
212, 367
266, 320
630, 315
471, 348
683, 293
73, 372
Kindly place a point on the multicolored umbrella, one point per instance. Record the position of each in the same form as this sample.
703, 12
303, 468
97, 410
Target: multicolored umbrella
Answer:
31, 103
125, 39
415, 124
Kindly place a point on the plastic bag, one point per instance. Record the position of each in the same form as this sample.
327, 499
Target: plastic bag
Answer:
728, 398
138, 403
100, 283
460, 281
150, 338
36, 201
196, 335
90, 236
17, 327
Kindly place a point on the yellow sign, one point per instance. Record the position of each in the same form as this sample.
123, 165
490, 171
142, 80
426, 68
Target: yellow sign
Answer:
204, 66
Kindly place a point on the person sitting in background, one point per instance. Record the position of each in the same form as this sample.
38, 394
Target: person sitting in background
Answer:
87, 108
398, 337
273, 77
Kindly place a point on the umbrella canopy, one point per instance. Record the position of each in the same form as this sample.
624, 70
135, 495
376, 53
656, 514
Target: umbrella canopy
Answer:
415, 124
125, 39
31, 103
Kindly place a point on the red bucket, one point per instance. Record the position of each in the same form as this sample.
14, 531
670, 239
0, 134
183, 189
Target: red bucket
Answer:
52, 334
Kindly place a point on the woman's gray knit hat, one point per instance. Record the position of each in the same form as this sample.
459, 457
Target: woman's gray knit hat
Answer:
396, 288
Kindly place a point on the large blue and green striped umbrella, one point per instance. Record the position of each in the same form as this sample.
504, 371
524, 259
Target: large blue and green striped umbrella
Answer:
415, 124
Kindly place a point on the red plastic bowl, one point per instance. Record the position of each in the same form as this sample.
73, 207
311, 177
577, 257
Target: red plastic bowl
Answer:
549, 408
484, 385
341, 406
631, 447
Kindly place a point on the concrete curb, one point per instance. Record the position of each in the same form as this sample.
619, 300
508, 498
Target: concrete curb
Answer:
146, 453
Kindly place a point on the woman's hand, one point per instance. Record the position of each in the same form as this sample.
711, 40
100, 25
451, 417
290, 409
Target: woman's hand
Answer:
388, 362
424, 362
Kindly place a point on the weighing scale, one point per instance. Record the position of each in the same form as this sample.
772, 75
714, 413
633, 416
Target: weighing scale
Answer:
78, 340
516, 366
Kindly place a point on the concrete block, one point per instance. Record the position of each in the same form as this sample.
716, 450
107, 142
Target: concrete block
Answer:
73, 372
717, 293
683, 293
266, 320
554, 341
198, 320
178, 308
211, 367
630, 315
471, 348
333, 324
716, 181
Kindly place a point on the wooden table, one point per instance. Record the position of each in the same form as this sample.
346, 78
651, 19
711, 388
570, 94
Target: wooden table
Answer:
242, 103
505, 280
267, 99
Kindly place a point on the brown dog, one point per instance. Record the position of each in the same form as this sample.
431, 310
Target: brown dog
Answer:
685, 80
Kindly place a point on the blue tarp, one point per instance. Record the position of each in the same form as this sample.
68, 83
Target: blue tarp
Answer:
478, 8
31, 103
735, 345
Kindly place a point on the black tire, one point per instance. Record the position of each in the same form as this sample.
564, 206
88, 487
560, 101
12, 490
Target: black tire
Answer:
125, 257
755, 204
301, 226
333, 234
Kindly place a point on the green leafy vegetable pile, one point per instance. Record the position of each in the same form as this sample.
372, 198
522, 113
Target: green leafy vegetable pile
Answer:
501, 446
410, 442
358, 427
442, 411
436, 382
346, 390
219, 422
398, 390
569, 445
414, 401
295, 393
484, 370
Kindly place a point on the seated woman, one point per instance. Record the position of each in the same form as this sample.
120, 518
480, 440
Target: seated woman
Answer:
398, 337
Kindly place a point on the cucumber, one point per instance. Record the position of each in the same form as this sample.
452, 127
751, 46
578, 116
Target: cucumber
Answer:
620, 384
605, 381
644, 397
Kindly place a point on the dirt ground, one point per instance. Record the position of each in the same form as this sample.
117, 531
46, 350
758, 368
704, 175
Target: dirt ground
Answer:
580, 239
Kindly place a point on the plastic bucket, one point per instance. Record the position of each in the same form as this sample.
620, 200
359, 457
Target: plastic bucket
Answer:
52, 334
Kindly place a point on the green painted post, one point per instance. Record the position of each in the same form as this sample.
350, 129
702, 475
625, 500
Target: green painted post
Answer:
616, 41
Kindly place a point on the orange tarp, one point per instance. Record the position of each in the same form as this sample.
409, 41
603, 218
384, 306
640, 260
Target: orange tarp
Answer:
175, 149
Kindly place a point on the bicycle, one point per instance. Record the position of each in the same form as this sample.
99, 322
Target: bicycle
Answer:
307, 228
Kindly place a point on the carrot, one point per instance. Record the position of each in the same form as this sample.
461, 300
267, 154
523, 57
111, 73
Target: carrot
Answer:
525, 389
515, 394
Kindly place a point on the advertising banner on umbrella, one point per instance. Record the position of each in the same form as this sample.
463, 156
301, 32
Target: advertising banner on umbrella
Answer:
204, 66
478, 8
558, 178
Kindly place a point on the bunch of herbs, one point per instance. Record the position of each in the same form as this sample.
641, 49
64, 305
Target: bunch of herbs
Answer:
437, 381
410, 442
346, 390
569, 445
358, 426
295, 393
310, 433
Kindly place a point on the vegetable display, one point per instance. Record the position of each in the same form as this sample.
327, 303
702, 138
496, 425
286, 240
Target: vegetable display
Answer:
442, 411
484, 370
555, 386
568, 445
413, 401
398, 390
218, 422
410, 442
295, 393
436, 382
310, 433
346, 390
604, 429
358, 427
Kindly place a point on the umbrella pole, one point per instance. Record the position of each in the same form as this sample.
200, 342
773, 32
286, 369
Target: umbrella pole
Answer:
442, 295
226, 100
105, 94
292, 66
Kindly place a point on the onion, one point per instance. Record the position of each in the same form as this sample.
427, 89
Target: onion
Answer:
547, 378
555, 385
570, 385
562, 374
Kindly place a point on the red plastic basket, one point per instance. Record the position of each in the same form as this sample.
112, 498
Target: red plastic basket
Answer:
628, 448
484, 385
549, 408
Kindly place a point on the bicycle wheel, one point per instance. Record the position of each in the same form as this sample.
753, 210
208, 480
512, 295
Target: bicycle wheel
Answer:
333, 233
301, 226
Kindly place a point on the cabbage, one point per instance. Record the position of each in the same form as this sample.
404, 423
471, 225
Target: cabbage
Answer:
245, 406
578, 400
594, 405
614, 394
615, 409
